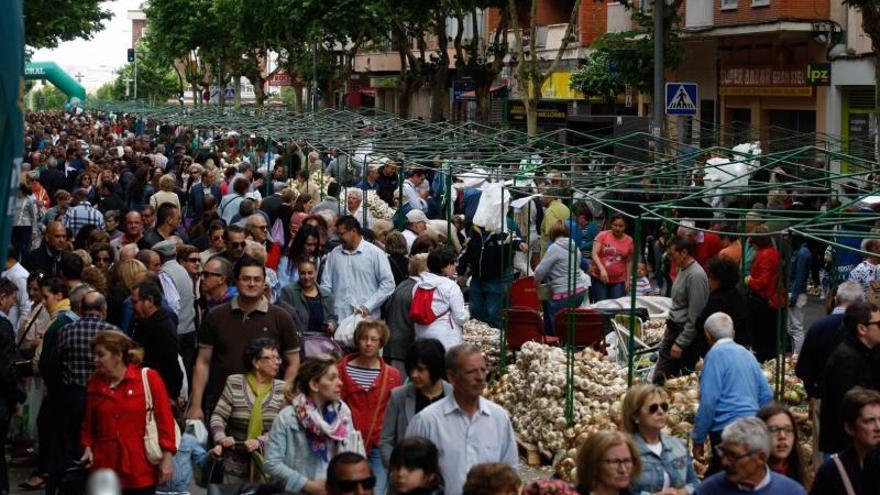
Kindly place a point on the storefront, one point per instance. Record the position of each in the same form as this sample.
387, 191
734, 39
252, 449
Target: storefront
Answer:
772, 103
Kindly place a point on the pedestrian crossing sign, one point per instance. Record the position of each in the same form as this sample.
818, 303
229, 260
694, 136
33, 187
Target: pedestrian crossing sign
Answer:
681, 98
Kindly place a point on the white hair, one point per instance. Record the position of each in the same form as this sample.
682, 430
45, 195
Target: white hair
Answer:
353, 190
849, 292
751, 433
719, 325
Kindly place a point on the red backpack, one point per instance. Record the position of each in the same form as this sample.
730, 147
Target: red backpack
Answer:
420, 310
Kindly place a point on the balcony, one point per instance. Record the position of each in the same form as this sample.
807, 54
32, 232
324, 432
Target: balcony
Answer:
698, 14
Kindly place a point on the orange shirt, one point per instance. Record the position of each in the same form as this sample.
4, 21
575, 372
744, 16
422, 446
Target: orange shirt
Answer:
732, 252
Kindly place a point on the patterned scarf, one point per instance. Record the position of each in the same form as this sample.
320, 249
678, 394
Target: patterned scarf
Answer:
330, 424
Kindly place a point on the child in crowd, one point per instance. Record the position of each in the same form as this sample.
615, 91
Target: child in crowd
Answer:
414, 468
190, 453
644, 287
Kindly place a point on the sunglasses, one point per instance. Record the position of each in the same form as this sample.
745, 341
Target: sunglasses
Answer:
210, 274
653, 408
102, 259
346, 486
193, 260
238, 243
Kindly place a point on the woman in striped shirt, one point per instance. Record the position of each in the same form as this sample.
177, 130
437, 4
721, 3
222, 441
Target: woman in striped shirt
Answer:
367, 382
243, 416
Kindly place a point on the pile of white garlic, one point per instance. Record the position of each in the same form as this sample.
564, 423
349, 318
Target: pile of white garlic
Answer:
485, 337
534, 388
377, 206
653, 330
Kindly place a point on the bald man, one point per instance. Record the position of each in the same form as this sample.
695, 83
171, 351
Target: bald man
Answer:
47, 257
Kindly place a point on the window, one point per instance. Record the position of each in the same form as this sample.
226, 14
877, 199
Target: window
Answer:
760, 3
728, 4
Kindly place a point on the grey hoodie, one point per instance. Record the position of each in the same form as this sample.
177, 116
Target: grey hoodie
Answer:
554, 267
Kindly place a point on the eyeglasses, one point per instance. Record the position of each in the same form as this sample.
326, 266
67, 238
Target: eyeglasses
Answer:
776, 430
653, 408
619, 463
210, 274
346, 486
194, 260
722, 452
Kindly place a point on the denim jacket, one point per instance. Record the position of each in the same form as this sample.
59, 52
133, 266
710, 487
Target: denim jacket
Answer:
189, 453
675, 460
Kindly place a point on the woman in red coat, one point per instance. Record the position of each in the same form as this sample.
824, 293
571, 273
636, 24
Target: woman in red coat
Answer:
115, 421
765, 296
367, 382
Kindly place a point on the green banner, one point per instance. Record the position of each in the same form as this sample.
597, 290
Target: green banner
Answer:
11, 113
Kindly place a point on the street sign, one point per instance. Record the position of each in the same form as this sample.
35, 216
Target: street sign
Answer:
280, 79
230, 93
681, 98
460, 87
131, 55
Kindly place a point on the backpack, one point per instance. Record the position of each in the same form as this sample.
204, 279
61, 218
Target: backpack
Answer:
420, 310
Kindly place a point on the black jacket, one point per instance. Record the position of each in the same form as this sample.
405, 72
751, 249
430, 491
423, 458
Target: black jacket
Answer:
399, 267
41, 259
871, 471
824, 334
488, 256
10, 386
158, 336
828, 481
850, 365
731, 302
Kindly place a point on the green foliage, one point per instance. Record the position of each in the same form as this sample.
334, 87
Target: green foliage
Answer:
595, 79
156, 80
631, 54
47, 98
105, 92
49, 22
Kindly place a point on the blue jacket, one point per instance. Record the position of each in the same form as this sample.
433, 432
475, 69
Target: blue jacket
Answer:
196, 204
799, 273
190, 452
717, 484
732, 386
675, 460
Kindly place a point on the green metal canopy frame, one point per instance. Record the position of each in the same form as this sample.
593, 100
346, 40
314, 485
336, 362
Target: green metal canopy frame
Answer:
643, 177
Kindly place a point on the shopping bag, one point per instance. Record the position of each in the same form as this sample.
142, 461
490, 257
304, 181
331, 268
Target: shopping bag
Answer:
345, 333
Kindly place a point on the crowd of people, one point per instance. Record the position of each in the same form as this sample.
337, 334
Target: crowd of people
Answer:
169, 303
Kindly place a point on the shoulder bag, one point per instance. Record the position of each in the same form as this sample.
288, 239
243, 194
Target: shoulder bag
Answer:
151, 432
844, 477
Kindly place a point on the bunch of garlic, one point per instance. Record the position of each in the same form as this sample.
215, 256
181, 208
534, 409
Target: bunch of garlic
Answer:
653, 330
795, 394
534, 392
486, 338
321, 179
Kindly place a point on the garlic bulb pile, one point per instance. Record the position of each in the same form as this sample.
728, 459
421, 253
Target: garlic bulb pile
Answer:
795, 394
533, 392
480, 334
322, 180
378, 207
653, 330
684, 399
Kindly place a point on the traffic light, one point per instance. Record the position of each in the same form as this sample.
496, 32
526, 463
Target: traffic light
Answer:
131, 55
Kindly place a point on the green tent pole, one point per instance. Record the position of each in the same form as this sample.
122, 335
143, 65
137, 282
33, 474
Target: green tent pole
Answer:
634, 275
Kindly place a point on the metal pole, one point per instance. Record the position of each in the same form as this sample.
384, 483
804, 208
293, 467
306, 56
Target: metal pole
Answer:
634, 277
314, 98
658, 67
135, 75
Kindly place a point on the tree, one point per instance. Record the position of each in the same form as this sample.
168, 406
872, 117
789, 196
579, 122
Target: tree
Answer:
47, 98
594, 78
870, 10
481, 62
529, 74
49, 22
105, 92
156, 80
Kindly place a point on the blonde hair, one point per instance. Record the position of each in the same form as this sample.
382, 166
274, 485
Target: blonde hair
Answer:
118, 343
418, 264
371, 324
84, 256
256, 251
167, 182
591, 456
129, 270
633, 402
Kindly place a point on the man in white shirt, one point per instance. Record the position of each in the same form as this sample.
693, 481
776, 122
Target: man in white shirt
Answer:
467, 428
416, 224
411, 185
18, 275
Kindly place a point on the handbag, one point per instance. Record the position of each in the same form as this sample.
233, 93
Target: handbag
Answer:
24, 363
319, 343
151, 432
544, 292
